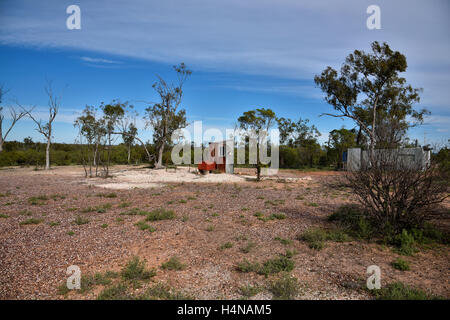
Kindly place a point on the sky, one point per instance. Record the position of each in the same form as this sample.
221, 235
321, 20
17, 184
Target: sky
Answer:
243, 55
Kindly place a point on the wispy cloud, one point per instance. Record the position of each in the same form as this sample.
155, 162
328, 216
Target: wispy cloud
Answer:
99, 60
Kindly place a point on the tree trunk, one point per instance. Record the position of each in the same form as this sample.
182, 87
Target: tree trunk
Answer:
129, 153
47, 155
160, 155
1, 144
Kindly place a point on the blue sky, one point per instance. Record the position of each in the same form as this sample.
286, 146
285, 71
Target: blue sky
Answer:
244, 54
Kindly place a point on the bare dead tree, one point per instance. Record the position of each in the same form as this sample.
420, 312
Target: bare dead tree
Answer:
46, 129
15, 116
396, 192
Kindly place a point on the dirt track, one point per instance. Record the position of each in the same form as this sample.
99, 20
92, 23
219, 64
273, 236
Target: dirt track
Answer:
34, 258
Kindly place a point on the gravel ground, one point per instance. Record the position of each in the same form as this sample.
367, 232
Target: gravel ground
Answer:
34, 257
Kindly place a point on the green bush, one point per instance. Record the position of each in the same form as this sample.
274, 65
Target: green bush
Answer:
354, 221
160, 214
400, 291
400, 264
285, 288
135, 270
173, 263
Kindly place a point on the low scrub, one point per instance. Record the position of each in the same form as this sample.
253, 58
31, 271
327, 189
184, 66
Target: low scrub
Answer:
400, 264
400, 291
316, 237
285, 288
135, 270
268, 267
173, 263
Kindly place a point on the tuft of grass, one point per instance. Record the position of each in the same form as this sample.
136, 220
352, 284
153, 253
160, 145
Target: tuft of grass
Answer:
54, 223
104, 226
400, 291
4, 216
311, 204
400, 264
134, 212
226, 245
116, 292
182, 201
278, 216
79, 220
30, 221
250, 245
70, 233
162, 291
316, 237
143, 226
268, 267
135, 270
38, 200
210, 228
107, 195
284, 288
160, 214
354, 220
249, 291
285, 242
124, 204
173, 263
405, 243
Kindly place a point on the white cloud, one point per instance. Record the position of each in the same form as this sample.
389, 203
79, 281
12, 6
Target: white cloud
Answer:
98, 60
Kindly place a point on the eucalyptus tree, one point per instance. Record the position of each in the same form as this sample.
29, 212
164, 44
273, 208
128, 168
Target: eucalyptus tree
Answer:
166, 116
257, 122
369, 90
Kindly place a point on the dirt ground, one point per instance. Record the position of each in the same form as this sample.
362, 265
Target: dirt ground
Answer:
210, 211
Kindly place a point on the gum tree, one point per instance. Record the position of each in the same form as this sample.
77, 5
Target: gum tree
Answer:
257, 123
165, 117
369, 90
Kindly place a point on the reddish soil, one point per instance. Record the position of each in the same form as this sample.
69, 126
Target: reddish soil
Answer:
34, 258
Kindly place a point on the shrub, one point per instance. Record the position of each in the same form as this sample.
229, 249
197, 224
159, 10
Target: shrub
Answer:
249, 291
79, 220
143, 226
285, 288
250, 245
116, 292
173, 264
314, 237
226, 245
353, 220
396, 194
400, 264
405, 243
135, 270
160, 214
164, 292
400, 291
276, 265
31, 221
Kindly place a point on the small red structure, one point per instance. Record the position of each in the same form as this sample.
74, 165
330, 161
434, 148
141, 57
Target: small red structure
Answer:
217, 159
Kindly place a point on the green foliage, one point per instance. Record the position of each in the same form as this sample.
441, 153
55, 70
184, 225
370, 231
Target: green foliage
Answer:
249, 291
226, 245
135, 270
116, 292
160, 214
400, 264
405, 243
173, 263
268, 267
354, 221
4, 216
143, 226
316, 237
79, 220
247, 248
284, 241
285, 288
31, 221
162, 291
400, 291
